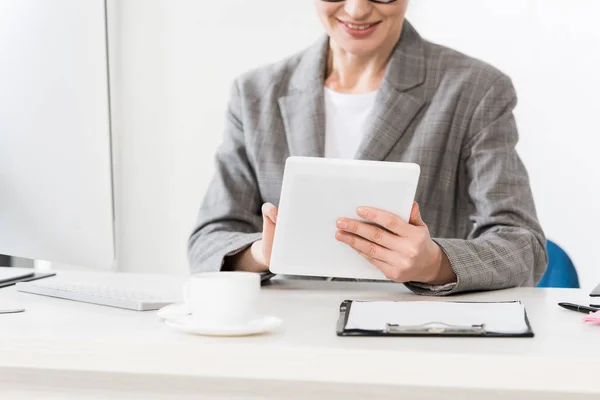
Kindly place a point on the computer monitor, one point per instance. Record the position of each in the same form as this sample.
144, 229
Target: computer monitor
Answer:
56, 199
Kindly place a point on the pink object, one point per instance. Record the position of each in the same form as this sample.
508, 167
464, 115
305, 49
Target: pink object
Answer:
595, 317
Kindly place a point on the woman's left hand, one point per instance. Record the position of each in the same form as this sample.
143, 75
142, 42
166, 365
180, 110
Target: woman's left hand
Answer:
403, 251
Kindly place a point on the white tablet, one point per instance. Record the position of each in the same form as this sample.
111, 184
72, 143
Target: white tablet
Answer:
316, 192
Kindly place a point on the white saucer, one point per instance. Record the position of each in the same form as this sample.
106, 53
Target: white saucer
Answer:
173, 311
259, 325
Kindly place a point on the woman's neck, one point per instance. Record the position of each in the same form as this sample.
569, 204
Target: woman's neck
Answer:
349, 73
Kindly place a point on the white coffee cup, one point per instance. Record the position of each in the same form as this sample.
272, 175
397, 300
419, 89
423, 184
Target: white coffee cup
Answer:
222, 298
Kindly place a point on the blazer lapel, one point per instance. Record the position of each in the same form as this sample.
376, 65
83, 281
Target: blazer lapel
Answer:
396, 105
303, 108
392, 114
304, 120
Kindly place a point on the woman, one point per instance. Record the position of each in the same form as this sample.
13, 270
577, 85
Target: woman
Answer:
372, 88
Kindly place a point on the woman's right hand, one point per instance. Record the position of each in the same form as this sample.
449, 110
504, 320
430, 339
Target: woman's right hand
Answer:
261, 249
257, 257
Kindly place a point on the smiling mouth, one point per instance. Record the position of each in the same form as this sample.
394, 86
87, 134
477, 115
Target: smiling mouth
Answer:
359, 27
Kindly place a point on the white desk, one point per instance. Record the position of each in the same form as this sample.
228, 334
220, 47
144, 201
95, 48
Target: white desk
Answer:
59, 349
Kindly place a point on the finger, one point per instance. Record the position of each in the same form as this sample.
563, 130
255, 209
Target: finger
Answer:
388, 270
372, 249
370, 232
415, 216
389, 221
270, 211
268, 231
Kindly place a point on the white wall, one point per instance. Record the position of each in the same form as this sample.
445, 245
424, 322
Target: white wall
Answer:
173, 62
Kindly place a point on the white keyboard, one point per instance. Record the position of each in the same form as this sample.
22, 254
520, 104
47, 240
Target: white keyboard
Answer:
96, 294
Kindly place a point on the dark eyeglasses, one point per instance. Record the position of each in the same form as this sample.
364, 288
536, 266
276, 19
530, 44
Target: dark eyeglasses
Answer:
373, 1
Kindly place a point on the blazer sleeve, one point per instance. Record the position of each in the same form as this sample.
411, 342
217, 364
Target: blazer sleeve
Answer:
506, 246
229, 219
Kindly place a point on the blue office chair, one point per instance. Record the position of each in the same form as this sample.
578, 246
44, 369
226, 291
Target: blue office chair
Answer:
561, 272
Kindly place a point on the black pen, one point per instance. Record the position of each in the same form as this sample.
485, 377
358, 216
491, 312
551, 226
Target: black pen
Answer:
577, 307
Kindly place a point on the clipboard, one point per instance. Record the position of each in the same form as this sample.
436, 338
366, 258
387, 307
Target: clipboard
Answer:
432, 328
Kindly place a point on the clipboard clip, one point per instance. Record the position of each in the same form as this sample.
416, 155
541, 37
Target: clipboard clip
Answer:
435, 328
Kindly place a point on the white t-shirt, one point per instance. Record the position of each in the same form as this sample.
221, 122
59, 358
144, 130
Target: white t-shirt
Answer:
345, 122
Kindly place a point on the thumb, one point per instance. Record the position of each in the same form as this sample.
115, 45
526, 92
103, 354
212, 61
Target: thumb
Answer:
269, 211
415, 216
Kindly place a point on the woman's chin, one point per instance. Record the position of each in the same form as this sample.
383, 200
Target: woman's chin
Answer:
360, 48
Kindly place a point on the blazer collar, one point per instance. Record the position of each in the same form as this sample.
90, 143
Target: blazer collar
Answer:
303, 108
405, 70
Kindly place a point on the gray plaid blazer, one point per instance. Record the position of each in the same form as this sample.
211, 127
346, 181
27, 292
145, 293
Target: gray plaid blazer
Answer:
451, 114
